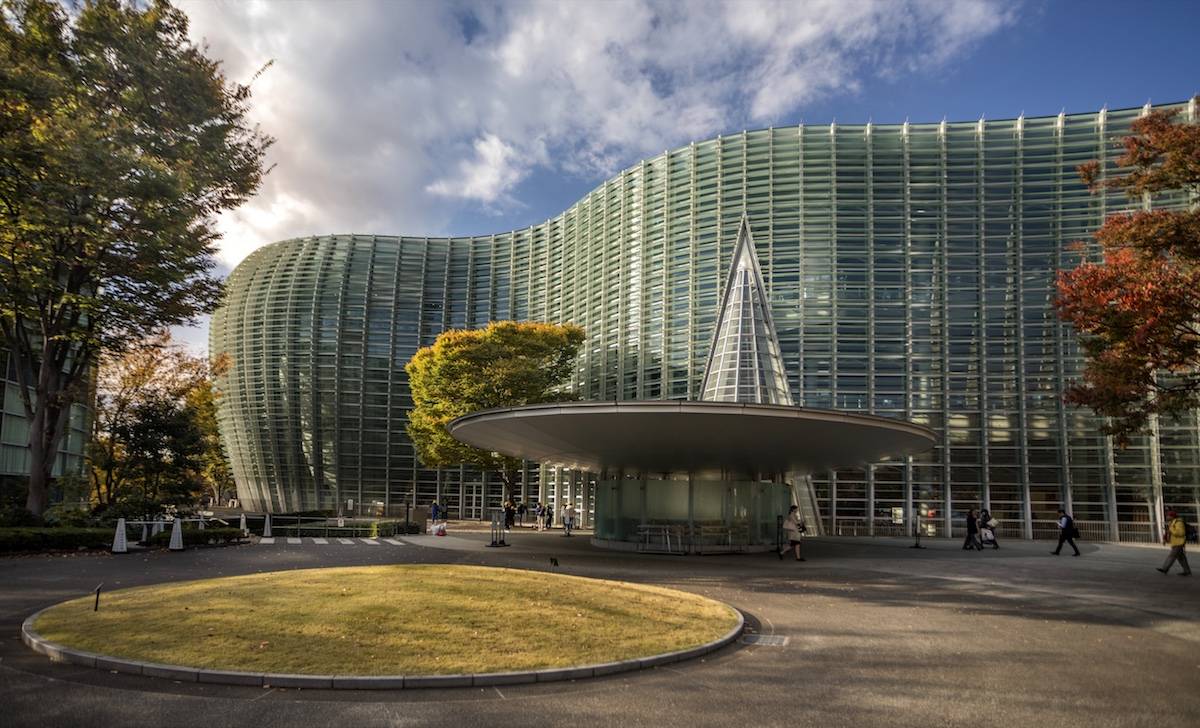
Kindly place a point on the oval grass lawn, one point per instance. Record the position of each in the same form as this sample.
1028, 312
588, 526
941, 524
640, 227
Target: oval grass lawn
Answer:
428, 619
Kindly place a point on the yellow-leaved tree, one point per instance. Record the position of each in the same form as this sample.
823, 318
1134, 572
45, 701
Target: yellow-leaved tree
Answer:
506, 364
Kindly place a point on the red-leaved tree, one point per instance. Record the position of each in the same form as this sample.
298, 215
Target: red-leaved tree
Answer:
1138, 310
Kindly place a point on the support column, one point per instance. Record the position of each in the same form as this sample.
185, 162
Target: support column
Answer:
588, 493
1156, 517
525, 482
1110, 473
910, 524
559, 494
833, 503
870, 500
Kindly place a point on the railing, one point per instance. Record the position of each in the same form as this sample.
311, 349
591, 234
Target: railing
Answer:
850, 527
656, 538
1042, 529
1136, 532
885, 527
326, 527
727, 538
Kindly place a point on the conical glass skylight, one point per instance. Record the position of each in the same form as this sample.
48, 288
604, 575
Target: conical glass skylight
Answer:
745, 363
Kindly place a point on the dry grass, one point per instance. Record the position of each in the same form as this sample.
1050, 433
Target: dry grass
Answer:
388, 620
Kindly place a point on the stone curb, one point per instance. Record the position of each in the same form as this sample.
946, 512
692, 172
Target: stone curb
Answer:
59, 653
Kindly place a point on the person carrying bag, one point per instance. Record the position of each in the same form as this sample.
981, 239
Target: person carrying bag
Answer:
793, 528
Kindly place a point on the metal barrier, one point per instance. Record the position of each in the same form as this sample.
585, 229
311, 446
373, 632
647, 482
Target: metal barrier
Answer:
663, 539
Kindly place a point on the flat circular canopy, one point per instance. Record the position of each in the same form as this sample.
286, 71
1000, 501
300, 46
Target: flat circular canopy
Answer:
672, 435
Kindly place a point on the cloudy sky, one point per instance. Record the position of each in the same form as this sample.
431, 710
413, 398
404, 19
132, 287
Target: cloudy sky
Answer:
464, 117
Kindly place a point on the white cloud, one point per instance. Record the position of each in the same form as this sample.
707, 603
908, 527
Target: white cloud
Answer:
494, 170
392, 117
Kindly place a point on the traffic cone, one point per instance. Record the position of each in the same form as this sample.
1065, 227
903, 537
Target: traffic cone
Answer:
176, 535
119, 546
267, 527
242, 525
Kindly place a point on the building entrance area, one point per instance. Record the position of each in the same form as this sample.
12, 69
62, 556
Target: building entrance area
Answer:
689, 515
691, 477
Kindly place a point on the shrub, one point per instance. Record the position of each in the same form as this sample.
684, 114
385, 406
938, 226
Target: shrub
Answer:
197, 537
13, 540
387, 528
325, 513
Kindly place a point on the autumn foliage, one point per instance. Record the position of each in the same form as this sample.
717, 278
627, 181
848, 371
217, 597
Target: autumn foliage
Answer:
506, 364
1137, 310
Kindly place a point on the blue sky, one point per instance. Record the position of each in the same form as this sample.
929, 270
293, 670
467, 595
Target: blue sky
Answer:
467, 117
1077, 56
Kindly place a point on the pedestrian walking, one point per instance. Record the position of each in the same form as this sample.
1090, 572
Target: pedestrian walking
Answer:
549, 517
1066, 532
987, 529
972, 539
794, 528
568, 519
1175, 536
521, 510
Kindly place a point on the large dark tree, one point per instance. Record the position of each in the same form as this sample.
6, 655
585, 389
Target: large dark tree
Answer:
506, 364
120, 142
1138, 309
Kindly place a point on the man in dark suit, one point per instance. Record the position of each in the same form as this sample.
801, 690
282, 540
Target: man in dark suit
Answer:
1066, 532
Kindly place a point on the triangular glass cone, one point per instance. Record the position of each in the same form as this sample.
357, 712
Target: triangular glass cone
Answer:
745, 363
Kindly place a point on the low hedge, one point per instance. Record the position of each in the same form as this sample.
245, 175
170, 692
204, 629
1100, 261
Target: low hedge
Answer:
14, 540
198, 537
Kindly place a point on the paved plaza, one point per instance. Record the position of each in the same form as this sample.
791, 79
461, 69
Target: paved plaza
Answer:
865, 632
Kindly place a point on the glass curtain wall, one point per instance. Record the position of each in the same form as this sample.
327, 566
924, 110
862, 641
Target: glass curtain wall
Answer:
910, 272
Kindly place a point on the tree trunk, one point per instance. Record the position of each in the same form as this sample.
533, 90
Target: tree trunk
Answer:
39, 471
508, 478
50, 415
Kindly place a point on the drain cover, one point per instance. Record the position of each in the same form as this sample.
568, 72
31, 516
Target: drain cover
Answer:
765, 640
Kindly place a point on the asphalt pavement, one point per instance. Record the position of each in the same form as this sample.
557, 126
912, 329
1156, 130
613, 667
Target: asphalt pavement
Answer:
865, 632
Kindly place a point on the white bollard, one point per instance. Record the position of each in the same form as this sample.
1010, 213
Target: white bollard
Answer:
158, 527
176, 535
119, 546
201, 523
145, 532
242, 525
267, 527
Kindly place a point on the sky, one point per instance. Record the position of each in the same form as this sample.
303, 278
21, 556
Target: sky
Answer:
463, 117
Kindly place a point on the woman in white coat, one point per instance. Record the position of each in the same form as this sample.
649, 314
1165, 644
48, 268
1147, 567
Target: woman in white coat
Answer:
793, 528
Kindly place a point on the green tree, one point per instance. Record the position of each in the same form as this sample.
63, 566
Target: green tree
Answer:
1138, 309
163, 453
215, 470
507, 364
120, 143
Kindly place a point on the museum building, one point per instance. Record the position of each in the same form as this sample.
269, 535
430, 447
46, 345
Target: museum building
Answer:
908, 271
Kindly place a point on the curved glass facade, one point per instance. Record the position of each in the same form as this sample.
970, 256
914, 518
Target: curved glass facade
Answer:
909, 270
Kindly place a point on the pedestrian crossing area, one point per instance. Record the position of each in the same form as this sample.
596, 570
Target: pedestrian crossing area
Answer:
330, 541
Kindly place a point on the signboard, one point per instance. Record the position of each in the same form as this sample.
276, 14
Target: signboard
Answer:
897, 516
